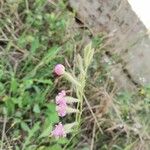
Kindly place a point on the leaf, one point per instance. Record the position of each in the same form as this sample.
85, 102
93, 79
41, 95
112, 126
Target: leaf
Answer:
51, 54
55, 147
97, 41
27, 84
2, 88
52, 114
53, 117
44, 81
51, 107
62, 140
10, 107
69, 127
30, 134
17, 148
36, 108
46, 132
34, 45
40, 96
13, 85
1, 73
24, 126
41, 148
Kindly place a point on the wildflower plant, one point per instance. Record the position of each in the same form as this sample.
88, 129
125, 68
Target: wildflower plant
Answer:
64, 102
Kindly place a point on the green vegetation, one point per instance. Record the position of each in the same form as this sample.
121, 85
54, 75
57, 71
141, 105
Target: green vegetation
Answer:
34, 37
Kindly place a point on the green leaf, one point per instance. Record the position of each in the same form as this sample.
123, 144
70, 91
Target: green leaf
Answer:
41, 148
62, 141
1, 73
51, 107
13, 85
27, 84
10, 107
2, 88
51, 54
34, 45
44, 81
17, 148
53, 118
31, 133
46, 132
55, 147
52, 114
36, 108
24, 126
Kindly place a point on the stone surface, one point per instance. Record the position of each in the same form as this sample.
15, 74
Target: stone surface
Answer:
128, 38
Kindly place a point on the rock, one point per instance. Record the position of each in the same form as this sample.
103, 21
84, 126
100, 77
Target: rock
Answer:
129, 39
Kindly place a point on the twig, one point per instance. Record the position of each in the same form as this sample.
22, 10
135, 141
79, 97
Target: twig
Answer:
93, 114
93, 136
3, 132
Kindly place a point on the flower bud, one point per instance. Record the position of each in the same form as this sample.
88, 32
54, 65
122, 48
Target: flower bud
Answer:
59, 69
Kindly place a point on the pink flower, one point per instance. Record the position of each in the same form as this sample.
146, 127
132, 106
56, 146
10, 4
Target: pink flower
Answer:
61, 109
62, 93
60, 98
59, 131
59, 69
61, 103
